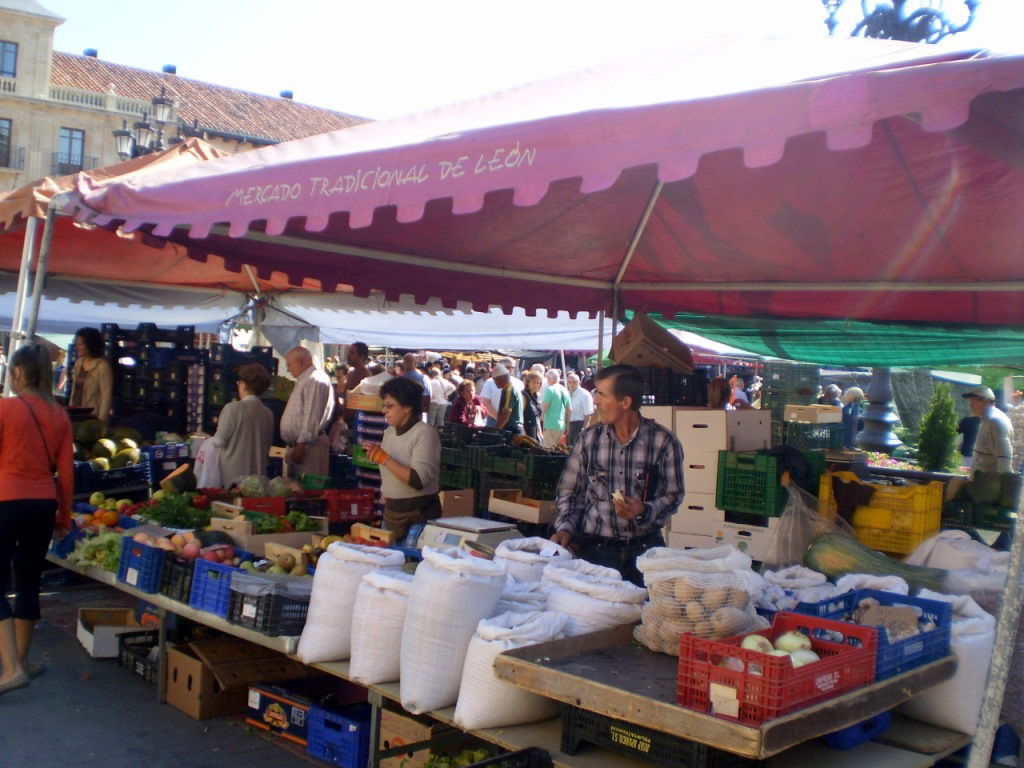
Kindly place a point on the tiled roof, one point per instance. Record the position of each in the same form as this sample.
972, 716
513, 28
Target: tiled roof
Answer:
216, 107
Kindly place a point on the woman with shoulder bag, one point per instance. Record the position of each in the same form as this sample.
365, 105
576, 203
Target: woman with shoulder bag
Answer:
36, 483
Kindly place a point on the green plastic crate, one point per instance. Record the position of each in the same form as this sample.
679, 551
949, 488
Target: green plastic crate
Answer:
808, 437
748, 482
458, 477
967, 515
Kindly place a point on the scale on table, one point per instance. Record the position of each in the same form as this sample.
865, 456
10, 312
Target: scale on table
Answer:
457, 531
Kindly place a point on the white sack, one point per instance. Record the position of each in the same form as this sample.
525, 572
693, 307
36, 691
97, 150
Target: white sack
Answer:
451, 592
327, 635
484, 700
786, 588
523, 597
956, 703
852, 581
525, 559
377, 621
954, 550
593, 597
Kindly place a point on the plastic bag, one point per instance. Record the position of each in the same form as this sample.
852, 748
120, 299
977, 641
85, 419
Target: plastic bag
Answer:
704, 592
798, 527
207, 467
956, 549
786, 588
592, 596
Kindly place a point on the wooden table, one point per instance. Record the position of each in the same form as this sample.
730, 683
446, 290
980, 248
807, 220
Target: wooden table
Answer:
605, 672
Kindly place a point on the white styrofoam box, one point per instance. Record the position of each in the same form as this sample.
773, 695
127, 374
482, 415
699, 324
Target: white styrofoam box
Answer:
700, 472
752, 539
703, 429
662, 414
690, 541
697, 514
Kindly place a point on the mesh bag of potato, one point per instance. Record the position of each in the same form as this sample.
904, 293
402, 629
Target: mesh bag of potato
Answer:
704, 592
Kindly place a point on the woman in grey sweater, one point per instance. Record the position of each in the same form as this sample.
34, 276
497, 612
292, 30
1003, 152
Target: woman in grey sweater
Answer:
245, 428
409, 457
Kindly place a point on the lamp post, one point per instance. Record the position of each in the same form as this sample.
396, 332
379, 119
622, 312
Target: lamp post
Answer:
145, 137
913, 21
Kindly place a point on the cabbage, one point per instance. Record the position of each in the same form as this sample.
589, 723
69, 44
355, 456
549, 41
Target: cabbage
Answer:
279, 487
253, 485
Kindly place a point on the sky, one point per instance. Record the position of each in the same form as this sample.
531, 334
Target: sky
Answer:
384, 58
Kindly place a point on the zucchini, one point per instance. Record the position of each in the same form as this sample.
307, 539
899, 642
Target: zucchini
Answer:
835, 555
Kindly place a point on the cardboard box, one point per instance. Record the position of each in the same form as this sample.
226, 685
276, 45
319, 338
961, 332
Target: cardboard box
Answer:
755, 540
645, 344
697, 515
703, 430
210, 678
691, 541
512, 503
98, 629
813, 414
457, 503
663, 415
241, 533
360, 402
700, 472
397, 730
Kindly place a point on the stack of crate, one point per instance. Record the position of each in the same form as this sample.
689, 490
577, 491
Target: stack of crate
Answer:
369, 427
700, 522
788, 384
150, 370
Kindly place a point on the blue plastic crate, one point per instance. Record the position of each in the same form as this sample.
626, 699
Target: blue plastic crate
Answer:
341, 738
66, 545
211, 585
855, 735
88, 479
140, 565
910, 652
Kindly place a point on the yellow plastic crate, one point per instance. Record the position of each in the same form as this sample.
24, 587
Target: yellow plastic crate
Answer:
899, 517
892, 542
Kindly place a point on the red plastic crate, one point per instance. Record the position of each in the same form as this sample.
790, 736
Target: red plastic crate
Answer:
769, 686
350, 505
269, 505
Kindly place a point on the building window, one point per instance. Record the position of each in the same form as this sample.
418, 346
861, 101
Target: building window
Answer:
5, 143
70, 151
8, 59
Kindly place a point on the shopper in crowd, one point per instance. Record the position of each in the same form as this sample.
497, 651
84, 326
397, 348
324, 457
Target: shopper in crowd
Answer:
623, 480
533, 410
409, 457
489, 394
830, 395
581, 404
245, 428
36, 486
557, 409
438, 399
509, 401
587, 379
410, 370
307, 415
738, 398
718, 393
852, 400
357, 359
467, 409
92, 379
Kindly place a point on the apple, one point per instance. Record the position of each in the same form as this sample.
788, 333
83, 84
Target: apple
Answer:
793, 641
96, 499
758, 643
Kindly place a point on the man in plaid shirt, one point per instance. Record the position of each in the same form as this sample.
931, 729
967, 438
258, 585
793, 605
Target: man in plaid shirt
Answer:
623, 480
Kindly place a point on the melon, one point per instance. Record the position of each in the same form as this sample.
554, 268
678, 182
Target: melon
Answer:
104, 448
125, 457
89, 431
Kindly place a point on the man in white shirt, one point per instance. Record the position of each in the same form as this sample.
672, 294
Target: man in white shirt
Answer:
490, 394
438, 399
582, 404
307, 415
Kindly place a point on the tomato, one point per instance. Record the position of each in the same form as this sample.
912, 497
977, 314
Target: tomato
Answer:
200, 502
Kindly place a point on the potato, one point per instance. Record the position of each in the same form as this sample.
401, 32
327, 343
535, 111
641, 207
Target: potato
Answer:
728, 620
685, 591
694, 611
715, 597
661, 609
703, 629
738, 598
663, 588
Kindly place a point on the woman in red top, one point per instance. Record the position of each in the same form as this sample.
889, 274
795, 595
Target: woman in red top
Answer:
35, 458
467, 409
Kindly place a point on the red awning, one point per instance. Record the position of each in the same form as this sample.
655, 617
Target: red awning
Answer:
824, 178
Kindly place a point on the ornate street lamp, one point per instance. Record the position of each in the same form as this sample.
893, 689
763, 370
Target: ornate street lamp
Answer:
914, 21
146, 136
162, 108
125, 142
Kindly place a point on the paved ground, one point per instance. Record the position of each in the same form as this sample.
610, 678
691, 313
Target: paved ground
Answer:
90, 713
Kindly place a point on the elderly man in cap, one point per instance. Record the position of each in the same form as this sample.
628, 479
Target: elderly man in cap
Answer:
993, 448
509, 401
307, 415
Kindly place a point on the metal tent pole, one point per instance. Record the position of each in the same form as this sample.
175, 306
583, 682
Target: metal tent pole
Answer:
600, 339
1002, 650
19, 303
40, 277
